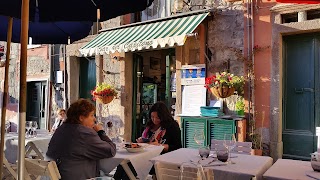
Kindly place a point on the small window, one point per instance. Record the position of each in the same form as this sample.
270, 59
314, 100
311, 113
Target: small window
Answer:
288, 18
313, 14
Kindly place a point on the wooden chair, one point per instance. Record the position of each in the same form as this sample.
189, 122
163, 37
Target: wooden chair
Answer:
38, 168
10, 170
166, 171
240, 148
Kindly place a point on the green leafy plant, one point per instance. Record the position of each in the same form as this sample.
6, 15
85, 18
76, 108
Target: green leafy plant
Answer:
240, 105
103, 90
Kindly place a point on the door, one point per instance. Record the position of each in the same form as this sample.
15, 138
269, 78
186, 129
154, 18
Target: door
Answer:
137, 114
87, 77
36, 102
300, 96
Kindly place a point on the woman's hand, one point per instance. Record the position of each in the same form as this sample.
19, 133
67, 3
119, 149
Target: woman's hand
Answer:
139, 140
97, 127
155, 142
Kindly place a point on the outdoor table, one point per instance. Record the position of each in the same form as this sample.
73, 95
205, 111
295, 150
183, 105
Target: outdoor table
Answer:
139, 160
37, 144
245, 167
291, 169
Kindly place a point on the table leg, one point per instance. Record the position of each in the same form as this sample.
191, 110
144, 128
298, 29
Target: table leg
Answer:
127, 169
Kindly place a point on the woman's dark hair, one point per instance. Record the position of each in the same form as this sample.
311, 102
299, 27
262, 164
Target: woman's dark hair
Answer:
163, 114
81, 107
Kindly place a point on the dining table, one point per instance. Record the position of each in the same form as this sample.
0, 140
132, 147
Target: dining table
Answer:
39, 145
288, 169
139, 160
35, 146
244, 167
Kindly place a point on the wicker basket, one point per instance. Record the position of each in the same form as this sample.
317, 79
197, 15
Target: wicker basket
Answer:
222, 92
104, 99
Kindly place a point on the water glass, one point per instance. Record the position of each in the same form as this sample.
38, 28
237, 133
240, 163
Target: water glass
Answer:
34, 126
7, 126
230, 143
199, 136
204, 152
222, 155
28, 127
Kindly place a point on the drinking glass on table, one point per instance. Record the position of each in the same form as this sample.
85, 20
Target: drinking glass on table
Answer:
28, 127
7, 126
199, 136
34, 126
230, 143
204, 152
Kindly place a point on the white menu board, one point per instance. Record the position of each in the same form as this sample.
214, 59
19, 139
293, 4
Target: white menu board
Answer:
193, 97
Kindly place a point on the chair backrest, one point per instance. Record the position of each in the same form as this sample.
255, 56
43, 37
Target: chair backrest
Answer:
167, 171
9, 168
37, 167
243, 148
240, 148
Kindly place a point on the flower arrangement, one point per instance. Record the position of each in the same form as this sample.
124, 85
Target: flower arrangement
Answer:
227, 83
104, 93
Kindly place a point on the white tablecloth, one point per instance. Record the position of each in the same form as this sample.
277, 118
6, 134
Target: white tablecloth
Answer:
140, 161
11, 145
284, 169
245, 167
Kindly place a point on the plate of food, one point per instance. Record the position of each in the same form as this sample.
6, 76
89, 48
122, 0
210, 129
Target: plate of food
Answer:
133, 147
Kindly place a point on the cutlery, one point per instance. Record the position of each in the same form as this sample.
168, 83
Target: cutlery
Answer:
210, 165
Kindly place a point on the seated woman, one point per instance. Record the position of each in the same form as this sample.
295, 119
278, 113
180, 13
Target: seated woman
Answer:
59, 120
79, 143
161, 130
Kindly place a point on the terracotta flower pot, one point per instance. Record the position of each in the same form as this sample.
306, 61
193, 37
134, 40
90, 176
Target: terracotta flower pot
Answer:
222, 92
257, 152
104, 99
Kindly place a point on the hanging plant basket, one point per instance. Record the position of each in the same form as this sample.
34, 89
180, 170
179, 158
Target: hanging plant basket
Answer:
104, 99
222, 92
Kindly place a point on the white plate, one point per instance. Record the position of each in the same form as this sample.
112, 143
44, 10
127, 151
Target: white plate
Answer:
134, 150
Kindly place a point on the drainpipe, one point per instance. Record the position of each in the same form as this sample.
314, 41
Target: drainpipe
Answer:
248, 55
65, 78
252, 45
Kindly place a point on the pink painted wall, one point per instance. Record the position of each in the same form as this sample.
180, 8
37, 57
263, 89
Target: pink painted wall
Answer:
262, 58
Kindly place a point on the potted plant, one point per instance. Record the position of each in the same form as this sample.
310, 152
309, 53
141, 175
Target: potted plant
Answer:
256, 139
104, 93
224, 84
240, 107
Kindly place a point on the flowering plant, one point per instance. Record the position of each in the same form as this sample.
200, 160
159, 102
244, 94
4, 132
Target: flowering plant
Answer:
103, 90
225, 79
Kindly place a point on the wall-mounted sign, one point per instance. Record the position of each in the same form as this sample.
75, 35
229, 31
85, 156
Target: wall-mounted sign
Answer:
193, 74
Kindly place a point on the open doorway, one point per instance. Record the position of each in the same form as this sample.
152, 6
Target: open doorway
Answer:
153, 80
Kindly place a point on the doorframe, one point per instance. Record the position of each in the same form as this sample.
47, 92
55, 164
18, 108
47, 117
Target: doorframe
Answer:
278, 31
47, 98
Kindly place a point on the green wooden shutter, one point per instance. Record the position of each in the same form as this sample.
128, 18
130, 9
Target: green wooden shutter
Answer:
218, 127
87, 77
189, 127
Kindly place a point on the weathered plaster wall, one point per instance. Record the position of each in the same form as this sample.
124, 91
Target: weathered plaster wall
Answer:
225, 40
278, 30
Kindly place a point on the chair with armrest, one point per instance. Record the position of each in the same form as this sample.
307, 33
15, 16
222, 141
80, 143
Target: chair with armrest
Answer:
9, 170
167, 171
37, 168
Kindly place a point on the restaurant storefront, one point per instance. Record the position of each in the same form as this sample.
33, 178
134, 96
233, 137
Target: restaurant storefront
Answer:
151, 54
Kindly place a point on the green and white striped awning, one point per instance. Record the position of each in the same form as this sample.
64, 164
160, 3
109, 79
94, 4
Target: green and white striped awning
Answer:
150, 35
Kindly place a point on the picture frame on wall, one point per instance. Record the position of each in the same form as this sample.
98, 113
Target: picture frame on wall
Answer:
155, 63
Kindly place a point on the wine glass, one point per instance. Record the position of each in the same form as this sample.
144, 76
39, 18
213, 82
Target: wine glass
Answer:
230, 143
199, 136
34, 126
28, 127
7, 126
